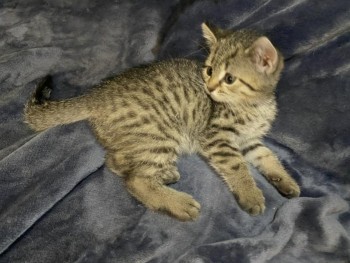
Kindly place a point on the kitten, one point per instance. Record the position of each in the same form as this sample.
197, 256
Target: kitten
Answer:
146, 117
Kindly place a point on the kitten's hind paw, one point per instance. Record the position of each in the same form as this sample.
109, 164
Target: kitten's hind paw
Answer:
252, 201
159, 197
183, 207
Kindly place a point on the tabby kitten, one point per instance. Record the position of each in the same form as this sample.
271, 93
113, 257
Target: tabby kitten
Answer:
146, 117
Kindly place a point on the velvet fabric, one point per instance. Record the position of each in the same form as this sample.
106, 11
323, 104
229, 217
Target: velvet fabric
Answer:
59, 203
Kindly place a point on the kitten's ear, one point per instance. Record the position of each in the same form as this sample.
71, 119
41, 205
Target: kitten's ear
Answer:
209, 33
264, 55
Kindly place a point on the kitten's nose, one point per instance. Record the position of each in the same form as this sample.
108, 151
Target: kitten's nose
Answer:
212, 86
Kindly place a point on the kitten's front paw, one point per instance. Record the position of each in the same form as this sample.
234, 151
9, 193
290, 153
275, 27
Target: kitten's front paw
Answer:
286, 186
252, 201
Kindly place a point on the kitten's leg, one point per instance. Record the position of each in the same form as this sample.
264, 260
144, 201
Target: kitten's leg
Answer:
268, 164
226, 159
170, 175
145, 180
151, 191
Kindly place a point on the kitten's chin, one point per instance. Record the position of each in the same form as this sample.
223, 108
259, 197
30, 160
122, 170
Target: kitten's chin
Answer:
215, 98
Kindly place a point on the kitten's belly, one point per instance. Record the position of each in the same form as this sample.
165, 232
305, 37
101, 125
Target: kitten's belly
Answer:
188, 145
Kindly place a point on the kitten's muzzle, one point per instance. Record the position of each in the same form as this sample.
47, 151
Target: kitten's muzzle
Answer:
213, 87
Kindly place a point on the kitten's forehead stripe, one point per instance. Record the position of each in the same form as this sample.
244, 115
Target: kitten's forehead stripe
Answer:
227, 64
223, 56
214, 54
229, 57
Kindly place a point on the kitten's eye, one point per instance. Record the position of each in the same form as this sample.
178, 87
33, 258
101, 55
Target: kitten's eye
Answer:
229, 79
209, 71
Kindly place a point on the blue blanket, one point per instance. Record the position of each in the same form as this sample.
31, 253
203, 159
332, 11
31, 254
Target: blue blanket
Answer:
59, 203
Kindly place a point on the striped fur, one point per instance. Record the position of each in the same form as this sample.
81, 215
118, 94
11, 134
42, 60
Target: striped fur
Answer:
146, 117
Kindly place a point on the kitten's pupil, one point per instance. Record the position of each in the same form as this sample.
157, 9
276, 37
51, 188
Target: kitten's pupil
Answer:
228, 78
209, 71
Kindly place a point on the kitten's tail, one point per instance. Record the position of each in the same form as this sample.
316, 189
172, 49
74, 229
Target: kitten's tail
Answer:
42, 113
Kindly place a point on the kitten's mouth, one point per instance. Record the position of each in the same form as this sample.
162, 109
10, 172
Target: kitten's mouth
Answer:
208, 91
210, 94
213, 95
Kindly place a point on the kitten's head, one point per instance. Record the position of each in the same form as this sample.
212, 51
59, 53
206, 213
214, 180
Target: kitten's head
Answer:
242, 66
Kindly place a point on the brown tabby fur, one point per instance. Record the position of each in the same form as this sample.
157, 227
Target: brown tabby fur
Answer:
146, 117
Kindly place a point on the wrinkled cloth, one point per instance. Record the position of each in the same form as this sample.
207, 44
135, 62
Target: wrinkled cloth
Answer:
58, 201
